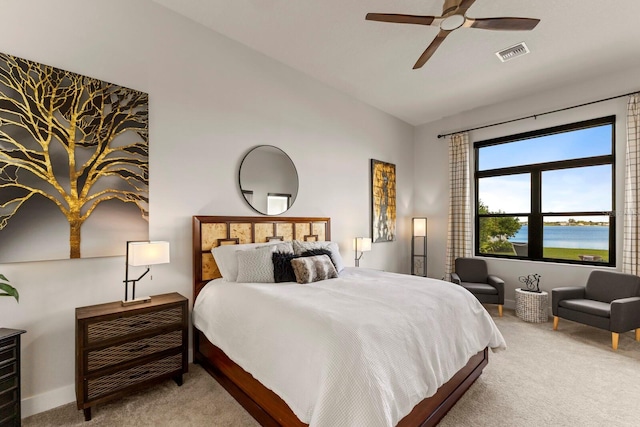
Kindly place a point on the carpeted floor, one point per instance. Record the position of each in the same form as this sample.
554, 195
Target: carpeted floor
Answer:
570, 377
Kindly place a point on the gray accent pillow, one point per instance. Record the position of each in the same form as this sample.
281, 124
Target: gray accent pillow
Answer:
313, 269
255, 265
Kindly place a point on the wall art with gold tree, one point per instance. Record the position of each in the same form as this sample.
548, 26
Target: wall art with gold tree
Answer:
383, 201
74, 166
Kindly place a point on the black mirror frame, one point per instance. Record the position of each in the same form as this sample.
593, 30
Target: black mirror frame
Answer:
243, 191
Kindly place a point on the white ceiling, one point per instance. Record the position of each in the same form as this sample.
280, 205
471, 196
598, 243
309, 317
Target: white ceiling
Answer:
372, 61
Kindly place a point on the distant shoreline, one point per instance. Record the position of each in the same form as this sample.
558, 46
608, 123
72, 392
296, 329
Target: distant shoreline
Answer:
555, 224
550, 224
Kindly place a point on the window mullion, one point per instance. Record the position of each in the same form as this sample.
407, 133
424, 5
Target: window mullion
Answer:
535, 219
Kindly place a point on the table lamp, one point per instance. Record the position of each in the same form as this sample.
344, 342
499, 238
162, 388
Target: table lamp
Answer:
361, 244
141, 253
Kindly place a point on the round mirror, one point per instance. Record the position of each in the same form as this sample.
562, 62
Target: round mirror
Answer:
268, 180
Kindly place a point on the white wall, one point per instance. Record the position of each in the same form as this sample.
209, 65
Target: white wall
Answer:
431, 168
211, 100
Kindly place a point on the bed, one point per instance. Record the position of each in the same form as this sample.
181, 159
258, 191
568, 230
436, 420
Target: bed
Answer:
267, 406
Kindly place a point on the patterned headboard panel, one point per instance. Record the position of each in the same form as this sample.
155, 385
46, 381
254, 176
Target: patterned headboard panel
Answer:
212, 231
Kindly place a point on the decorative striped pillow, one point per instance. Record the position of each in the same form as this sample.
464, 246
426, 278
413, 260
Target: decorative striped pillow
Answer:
300, 246
313, 268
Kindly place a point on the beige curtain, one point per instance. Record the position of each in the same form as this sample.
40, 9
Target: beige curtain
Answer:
459, 228
631, 240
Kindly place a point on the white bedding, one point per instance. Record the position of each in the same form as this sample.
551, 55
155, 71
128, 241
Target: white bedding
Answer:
359, 350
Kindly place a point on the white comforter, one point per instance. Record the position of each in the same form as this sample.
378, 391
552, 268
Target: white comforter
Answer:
360, 350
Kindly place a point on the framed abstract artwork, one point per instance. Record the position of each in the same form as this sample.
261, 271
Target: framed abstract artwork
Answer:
74, 165
383, 201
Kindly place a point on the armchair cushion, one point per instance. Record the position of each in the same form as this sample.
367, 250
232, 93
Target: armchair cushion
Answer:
480, 288
597, 308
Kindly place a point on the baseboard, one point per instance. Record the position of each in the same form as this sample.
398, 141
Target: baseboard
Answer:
49, 400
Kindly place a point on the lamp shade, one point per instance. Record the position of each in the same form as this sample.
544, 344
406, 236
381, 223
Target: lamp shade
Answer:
148, 253
362, 244
419, 227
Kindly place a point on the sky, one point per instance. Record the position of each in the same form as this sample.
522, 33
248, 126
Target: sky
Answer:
589, 142
578, 189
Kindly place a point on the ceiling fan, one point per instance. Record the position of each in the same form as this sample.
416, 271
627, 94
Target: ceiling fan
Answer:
454, 17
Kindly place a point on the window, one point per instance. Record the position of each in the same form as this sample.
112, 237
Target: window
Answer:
548, 195
278, 203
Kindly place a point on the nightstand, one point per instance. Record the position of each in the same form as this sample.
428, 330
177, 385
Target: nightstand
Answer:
120, 350
10, 377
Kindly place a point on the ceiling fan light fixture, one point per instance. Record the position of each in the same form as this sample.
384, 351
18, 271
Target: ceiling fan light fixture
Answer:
512, 52
453, 22
454, 16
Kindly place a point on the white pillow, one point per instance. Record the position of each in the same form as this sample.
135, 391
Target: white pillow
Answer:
300, 246
227, 260
256, 266
336, 257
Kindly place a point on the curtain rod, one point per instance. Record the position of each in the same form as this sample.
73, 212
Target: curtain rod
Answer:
535, 116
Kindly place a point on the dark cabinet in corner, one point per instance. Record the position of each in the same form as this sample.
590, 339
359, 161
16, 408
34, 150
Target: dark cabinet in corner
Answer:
120, 350
10, 377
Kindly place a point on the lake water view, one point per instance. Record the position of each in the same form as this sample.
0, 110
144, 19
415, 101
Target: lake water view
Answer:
567, 236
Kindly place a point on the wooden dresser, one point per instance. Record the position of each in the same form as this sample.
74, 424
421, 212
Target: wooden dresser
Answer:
10, 377
120, 350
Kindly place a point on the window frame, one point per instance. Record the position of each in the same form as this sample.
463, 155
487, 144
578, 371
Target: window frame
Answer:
536, 216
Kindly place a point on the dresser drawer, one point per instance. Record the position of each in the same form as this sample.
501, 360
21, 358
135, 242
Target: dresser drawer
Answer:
130, 350
109, 383
8, 396
123, 326
8, 370
8, 342
9, 383
8, 354
9, 415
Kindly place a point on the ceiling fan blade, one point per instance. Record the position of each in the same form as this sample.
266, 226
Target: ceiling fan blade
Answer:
431, 49
503, 24
401, 19
464, 6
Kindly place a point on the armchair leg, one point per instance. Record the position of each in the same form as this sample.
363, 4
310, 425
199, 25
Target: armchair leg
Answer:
555, 322
500, 314
638, 334
614, 340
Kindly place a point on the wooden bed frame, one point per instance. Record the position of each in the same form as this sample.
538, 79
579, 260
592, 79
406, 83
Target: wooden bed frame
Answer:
263, 404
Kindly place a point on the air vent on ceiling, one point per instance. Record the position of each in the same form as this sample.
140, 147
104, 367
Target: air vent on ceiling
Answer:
513, 52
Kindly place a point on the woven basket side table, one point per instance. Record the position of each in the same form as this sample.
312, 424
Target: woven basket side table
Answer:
532, 306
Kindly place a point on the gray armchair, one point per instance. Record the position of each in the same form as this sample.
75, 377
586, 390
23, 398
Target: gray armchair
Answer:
472, 274
609, 301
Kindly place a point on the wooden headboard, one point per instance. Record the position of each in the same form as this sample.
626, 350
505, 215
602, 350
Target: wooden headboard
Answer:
212, 231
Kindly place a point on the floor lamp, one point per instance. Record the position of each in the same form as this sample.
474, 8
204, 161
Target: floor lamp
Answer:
419, 247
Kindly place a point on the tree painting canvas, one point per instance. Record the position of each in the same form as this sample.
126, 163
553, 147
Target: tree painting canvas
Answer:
74, 166
383, 199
